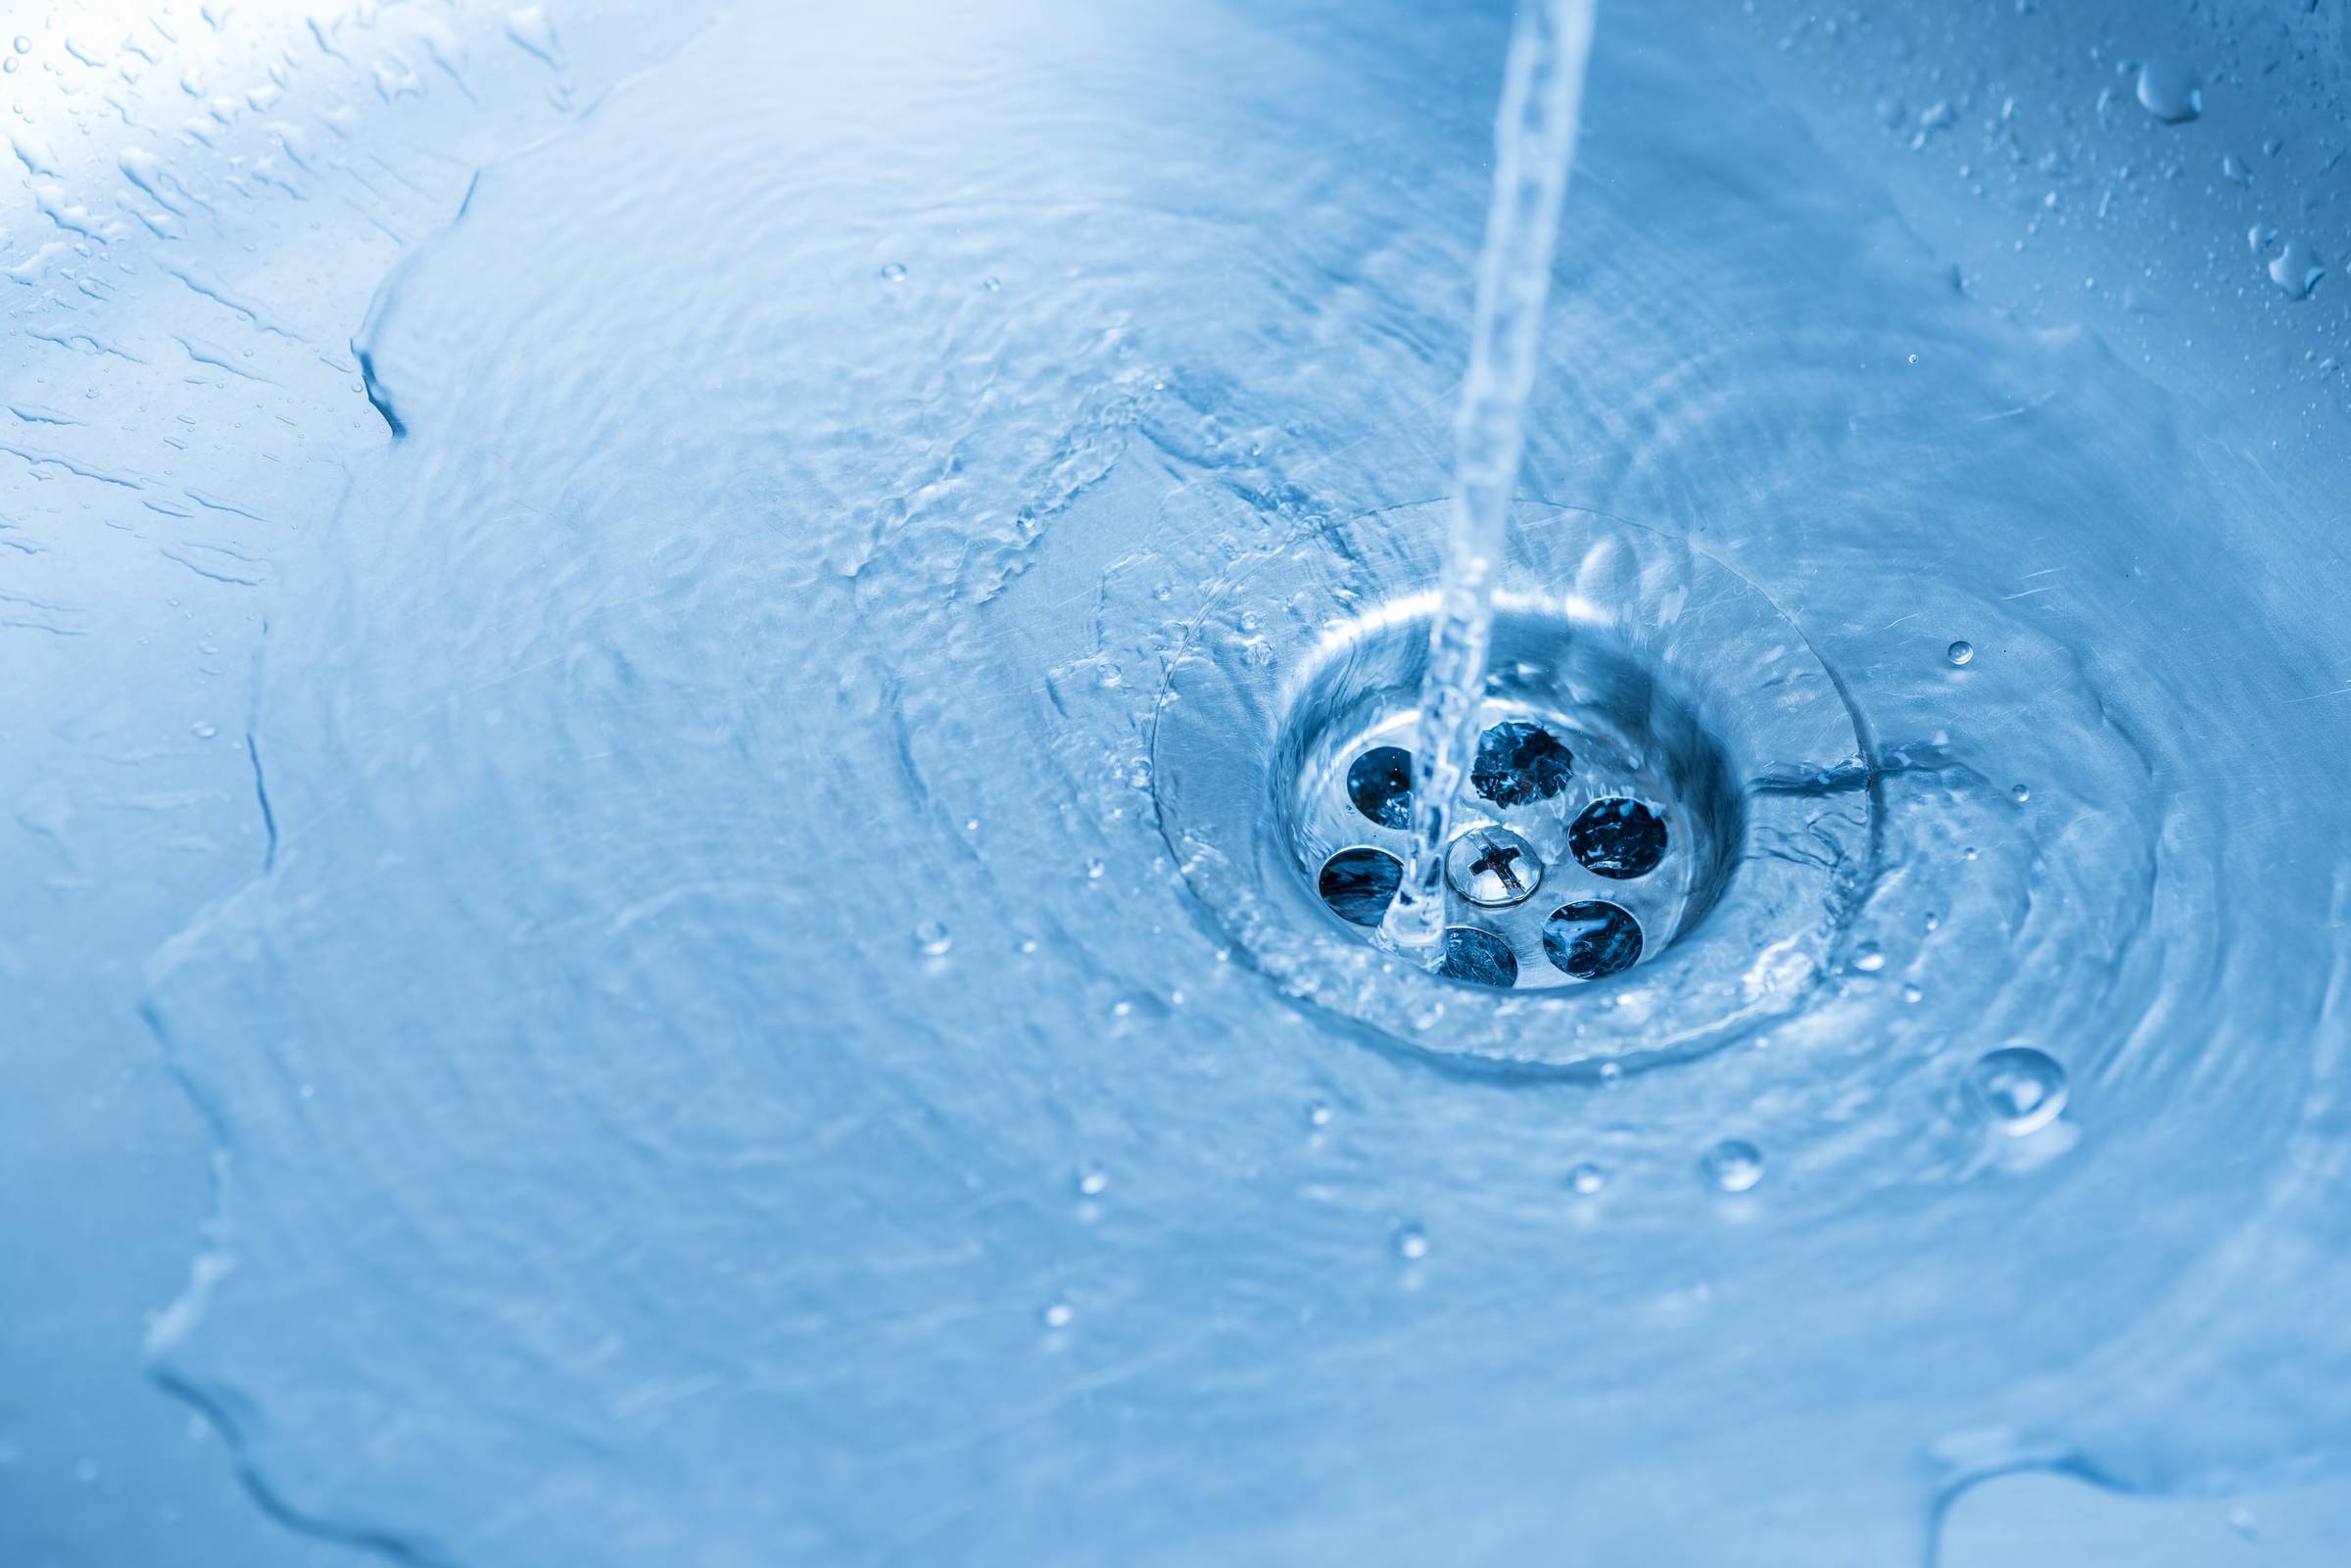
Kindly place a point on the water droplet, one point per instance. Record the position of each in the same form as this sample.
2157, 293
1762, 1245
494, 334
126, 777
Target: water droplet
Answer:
1868, 959
1412, 1243
1094, 869
1960, 653
2018, 1089
2260, 237
1092, 1181
1059, 1315
2171, 90
1587, 1179
892, 273
24, 44
933, 938
1733, 1164
1911, 993
1317, 1114
2234, 169
2298, 269
203, 731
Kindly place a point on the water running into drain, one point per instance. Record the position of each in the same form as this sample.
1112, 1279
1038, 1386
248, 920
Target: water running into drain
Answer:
1534, 148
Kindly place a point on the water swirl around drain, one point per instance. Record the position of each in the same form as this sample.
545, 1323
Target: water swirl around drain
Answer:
1641, 696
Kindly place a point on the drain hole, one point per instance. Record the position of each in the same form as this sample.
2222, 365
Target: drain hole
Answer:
1590, 938
1617, 839
1478, 957
1521, 763
1381, 783
1357, 884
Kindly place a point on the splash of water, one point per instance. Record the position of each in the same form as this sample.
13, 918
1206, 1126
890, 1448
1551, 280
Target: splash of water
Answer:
1534, 148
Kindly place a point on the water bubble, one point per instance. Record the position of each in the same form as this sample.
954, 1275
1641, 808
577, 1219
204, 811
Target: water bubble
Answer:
2020, 793
24, 44
990, 283
2018, 1089
1412, 1243
1733, 1164
1587, 1179
892, 273
2171, 90
1960, 653
2298, 269
932, 938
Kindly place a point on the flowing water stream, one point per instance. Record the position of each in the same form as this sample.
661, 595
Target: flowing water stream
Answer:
1534, 153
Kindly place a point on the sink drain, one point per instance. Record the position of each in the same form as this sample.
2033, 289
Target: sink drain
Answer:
1665, 817
1574, 853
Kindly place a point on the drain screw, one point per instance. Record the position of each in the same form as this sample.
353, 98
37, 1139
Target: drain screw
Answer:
1493, 868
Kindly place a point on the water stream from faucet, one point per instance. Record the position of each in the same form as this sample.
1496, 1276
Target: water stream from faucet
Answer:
1534, 148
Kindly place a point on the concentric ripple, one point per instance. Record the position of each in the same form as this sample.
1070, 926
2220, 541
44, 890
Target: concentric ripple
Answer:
726, 1066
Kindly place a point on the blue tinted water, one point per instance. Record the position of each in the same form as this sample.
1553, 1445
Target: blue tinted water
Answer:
652, 872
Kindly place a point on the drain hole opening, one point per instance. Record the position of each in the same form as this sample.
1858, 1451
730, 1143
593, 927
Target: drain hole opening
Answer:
1519, 763
1591, 938
1478, 957
1358, 883
1617, 839
1381, 783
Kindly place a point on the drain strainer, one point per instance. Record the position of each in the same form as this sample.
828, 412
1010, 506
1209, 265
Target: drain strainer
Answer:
1570, 855
1666, 814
